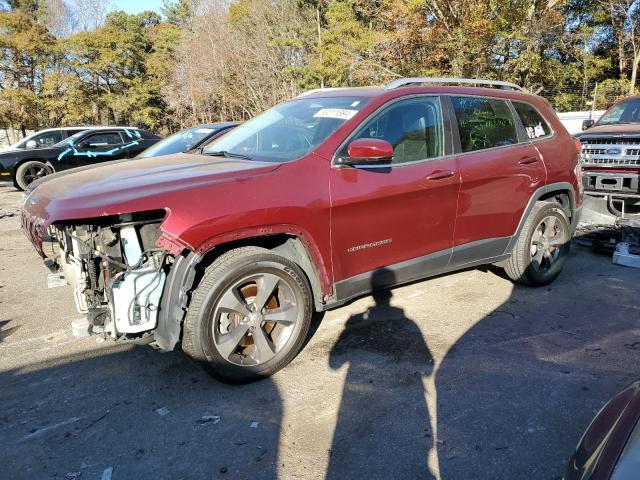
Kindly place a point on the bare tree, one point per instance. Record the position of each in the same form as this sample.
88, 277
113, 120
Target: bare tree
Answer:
237, 63
59, 18
90, 13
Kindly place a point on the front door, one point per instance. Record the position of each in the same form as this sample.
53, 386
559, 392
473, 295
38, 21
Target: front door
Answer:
99, 147
395, 215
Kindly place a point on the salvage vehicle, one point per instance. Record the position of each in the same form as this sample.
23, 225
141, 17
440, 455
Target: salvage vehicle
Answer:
189, 140
610, 447
86, 147
611, 162
315, 202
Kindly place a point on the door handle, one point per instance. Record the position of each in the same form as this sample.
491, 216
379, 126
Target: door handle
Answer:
528, 160
441, 175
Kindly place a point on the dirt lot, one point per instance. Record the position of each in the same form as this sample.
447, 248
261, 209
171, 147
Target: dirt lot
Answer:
459, 377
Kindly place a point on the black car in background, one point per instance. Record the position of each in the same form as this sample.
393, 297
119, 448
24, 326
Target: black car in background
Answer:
610, 448
94, 145
188, 140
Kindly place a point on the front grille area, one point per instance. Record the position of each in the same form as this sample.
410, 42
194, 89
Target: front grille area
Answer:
594, 151
612, 162
611, 153
612, 141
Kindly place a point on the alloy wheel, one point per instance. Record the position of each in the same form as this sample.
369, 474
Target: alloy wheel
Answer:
33, 173
546, 243
254, 318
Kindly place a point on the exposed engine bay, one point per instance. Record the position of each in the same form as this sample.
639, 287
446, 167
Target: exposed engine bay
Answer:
116, 271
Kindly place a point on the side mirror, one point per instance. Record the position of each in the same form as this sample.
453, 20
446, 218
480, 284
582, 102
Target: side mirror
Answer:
368, 151
588, 123
31, 144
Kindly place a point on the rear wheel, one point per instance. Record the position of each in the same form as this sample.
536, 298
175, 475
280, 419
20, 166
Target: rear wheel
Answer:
30, 171
249, 316
542, 247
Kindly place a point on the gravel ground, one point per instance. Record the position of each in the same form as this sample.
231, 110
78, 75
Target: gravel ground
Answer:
462, 376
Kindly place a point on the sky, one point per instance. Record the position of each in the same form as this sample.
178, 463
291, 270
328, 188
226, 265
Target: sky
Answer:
137, 6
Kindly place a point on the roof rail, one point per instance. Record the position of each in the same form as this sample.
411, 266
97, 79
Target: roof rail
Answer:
402, 82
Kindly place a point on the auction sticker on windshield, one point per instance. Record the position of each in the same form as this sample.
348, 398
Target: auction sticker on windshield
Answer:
339, 113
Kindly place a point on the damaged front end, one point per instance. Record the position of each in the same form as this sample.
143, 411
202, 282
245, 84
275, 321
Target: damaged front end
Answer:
116, 270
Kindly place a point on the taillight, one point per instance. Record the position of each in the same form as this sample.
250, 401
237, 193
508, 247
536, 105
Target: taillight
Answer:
578, 145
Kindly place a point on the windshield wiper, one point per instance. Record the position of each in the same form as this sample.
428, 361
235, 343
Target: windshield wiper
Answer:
227, 154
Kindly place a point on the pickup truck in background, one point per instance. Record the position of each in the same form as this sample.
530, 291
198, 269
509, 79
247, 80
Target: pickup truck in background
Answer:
610, 160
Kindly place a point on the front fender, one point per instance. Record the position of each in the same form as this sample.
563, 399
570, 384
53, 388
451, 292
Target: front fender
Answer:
287, 229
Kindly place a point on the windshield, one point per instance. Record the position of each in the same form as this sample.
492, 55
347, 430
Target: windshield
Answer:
70, 140
288, 131
179, 142
625, 112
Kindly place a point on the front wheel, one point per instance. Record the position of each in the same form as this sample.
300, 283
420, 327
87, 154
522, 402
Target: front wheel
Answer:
542, 246
30, 171
249, 315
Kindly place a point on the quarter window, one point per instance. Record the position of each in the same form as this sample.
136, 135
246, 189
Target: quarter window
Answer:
535, 125
412, 126
47, 139
484, 123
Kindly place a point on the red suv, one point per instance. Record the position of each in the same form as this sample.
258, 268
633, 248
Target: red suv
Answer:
315, 202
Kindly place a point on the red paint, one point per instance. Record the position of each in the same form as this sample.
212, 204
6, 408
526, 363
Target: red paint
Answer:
411, 210
370, 148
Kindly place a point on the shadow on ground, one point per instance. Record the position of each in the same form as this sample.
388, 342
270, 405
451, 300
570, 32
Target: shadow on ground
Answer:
87, 414
512, 395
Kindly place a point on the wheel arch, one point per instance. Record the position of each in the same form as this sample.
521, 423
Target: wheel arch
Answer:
189, 266
562, 191
25, 160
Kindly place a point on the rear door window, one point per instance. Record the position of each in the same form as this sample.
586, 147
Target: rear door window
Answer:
484, 123
534, 123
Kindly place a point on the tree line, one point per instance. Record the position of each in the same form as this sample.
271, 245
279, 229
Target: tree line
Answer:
70, 62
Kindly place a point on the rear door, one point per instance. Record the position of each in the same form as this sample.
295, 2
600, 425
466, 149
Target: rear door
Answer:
99, 147
386, 214
499, 169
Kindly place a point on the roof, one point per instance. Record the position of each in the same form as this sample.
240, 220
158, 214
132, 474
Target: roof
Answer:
374, 92
424, 85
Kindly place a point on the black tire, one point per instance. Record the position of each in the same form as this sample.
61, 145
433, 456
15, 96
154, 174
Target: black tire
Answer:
203, 322
523, 266
30, 171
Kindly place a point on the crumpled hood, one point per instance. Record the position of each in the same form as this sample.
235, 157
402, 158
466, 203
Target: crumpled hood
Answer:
127, 186
621, 130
